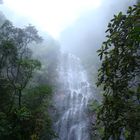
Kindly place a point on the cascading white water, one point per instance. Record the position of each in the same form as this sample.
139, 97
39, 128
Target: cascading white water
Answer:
71, 100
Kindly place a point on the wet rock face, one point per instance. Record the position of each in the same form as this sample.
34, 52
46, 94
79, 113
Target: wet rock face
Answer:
71, 100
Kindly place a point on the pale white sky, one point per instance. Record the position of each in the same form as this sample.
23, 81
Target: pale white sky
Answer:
52, 16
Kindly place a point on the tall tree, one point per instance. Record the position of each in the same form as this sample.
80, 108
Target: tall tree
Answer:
119, 76
15, 56
24, 110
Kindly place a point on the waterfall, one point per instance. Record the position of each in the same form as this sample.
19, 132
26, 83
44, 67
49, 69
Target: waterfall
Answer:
71, 100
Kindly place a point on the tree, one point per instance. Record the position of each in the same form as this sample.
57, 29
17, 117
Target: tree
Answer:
24, 106
119, 76
38, 100
16, 70
15, 57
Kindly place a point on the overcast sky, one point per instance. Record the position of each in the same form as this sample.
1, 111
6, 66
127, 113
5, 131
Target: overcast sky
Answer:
49, 15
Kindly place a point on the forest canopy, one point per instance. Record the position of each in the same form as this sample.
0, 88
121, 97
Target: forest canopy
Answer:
24, 109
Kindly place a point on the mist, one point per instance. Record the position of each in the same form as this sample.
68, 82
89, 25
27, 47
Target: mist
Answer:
88, 31
56, 87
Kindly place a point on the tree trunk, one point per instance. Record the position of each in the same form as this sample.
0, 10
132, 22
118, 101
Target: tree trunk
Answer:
19, 99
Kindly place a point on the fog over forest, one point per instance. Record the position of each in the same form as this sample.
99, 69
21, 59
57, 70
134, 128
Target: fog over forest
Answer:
69, 69
86, 31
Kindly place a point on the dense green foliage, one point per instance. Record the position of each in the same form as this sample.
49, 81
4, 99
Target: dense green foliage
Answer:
119, 76
23, 108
